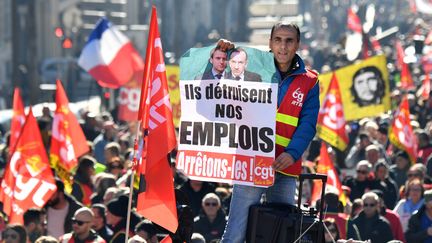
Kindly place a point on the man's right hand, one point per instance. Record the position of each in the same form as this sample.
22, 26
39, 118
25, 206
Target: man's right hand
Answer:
225, 45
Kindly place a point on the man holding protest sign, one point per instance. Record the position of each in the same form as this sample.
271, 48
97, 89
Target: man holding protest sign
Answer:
298, 106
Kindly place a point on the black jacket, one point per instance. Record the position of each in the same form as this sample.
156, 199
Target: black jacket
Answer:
210, 230
377, 228
415, 233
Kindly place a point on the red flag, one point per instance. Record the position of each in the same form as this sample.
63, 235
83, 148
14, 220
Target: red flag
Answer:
167, 239
325, 166
28, 180
354, 22
428, 39
331, 119
405, 78
18, 119
426, 87
67, 140
157, 202
401, 133
375, 44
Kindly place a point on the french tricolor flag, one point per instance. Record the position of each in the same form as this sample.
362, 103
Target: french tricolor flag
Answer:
109, 56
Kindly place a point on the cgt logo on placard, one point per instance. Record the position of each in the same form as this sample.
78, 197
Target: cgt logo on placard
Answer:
263, 172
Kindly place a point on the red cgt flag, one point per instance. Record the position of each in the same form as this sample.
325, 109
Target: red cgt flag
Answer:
67, 140
18, 119
157, 202
401, 133
28, 181
354, 22
325, 166
331, 119
405, 76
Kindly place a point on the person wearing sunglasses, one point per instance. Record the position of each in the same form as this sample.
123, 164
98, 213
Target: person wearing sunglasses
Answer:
361, 182
371, 225
14, 233
420, 224
82, 231
211, 222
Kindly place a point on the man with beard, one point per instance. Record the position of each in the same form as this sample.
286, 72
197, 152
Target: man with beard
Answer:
60, 209
81, 229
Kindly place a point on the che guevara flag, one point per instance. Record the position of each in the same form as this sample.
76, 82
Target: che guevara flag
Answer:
28, 180
401, 133
325, 166
67, 138
331, 119
157, 201
18, 119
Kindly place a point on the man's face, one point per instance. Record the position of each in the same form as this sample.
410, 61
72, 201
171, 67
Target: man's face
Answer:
238, 63
284, 45
98, 221
370, 207
366, 85
219, 61
81, 224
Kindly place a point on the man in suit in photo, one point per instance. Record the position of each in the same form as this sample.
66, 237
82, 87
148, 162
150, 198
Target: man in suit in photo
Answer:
218, 60
238, 63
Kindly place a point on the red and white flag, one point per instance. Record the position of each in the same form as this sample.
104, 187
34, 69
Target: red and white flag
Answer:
18, 119
405, 76
331, 119
401, 133
354, 22
157, 202
68, 141
28, 180
325, 166
109, 56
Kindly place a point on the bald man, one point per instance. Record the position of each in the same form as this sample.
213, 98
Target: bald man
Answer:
82, 231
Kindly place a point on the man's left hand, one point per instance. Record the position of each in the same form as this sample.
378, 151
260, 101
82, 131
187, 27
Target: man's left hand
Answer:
283, 161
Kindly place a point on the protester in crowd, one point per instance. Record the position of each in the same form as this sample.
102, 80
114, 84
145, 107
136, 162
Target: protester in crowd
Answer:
111, 151
116, 167
424, 146
116, 218
82, 228
331, 231
195, 192
284, 42
147, 230
371, 225
35, 223
357, 207
46, 239
82, 187
90, 127
211, 222
345, 226
384, 183
99, 223
399, 170
420, 224
109, 134
238, 61
102, 182
358, 151
60, 209
218, 60
362, 182
419, 171
14, 233
412, 202
391, 217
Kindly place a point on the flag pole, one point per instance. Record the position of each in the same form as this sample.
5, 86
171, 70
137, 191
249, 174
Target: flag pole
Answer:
135, 166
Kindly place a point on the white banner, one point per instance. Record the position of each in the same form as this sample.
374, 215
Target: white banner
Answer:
227, 131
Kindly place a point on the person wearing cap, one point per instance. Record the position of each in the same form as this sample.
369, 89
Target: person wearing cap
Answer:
391, 216
82, 231
372, 226
82, 187
116, 215
60, 209
420, 223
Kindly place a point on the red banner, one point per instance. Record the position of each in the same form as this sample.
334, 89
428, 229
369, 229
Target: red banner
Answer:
401, 133
18, 119
28, 181
157, 202
354, 22
405, 76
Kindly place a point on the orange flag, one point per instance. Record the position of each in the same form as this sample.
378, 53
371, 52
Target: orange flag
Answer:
331, 119
157, 202
67, 140
401, 133
325, 166
18, 119
405, 76
28, 180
